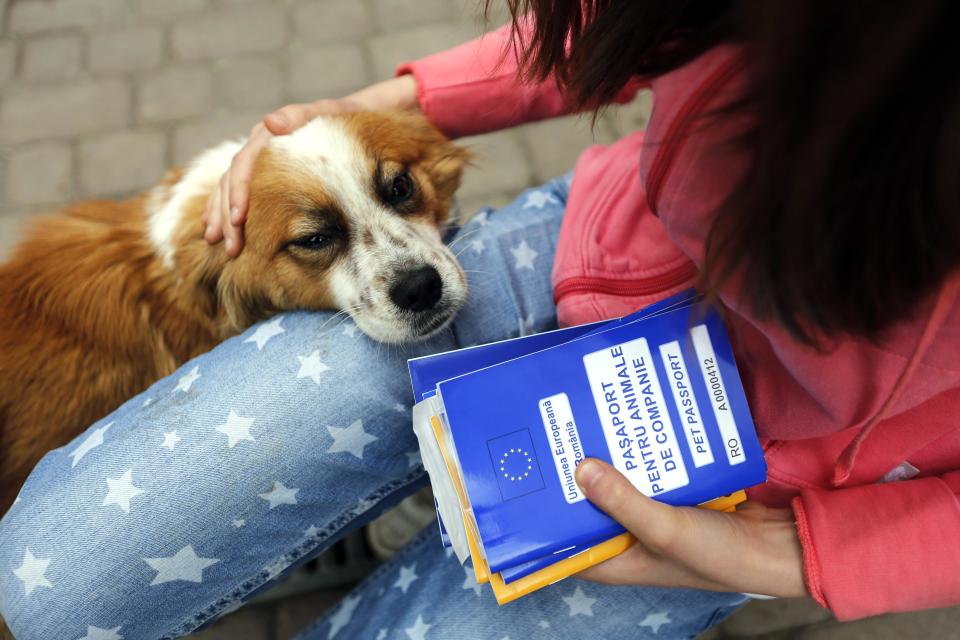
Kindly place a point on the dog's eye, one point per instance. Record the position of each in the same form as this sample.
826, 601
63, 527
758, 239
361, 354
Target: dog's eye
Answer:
400, 189
315, 241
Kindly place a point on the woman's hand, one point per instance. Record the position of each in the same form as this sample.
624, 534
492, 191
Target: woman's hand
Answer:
755, 550
226, 209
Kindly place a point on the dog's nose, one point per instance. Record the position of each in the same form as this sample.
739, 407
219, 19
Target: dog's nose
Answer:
417, 290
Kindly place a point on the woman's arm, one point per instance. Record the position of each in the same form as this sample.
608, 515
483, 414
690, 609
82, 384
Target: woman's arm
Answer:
880, 548
477, 87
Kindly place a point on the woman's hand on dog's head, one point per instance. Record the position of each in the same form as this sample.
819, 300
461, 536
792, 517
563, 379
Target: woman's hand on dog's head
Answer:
226, 209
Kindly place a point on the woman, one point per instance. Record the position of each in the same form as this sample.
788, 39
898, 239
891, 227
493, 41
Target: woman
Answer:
797, 171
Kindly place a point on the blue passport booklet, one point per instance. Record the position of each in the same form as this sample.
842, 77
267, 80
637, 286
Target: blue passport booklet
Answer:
502, 428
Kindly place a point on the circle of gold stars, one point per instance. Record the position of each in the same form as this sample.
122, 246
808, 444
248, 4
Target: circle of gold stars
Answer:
503, 463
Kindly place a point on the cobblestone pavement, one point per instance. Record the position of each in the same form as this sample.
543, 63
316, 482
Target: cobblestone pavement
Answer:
99, 97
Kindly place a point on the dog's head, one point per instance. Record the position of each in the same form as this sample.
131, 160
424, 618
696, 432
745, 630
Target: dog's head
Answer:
347, 213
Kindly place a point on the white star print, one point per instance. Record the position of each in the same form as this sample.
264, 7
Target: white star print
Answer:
93, 441
350, 329
413, 459
236, 428
170, 439
580, 603
351, 439
524, 255
96, 633
31, 572
536, 200
184, 565
400, 407
311, 367
407, 576
543, 624
239, 522
184, 383
147, 402
266, 331
311, 532
419, 629
477, 246
280, 495
655, 621
470, 581
382, 634
120, 491
480, 218
448, 551
343, 615
526, 325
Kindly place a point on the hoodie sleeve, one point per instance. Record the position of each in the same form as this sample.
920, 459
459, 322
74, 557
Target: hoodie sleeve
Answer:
883, 547
476, 88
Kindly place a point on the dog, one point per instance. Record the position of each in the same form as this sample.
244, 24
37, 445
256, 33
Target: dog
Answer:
105, 298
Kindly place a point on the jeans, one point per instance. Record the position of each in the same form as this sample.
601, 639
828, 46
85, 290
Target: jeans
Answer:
255, 457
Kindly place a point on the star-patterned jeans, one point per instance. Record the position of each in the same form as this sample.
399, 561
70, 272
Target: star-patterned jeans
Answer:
255, 457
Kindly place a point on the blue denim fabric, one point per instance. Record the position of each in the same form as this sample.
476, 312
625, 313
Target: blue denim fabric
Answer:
255, 457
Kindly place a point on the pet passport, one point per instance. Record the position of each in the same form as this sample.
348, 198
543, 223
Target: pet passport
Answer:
502, 427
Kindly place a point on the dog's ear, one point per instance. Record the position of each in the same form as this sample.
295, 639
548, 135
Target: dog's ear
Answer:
240, 306
445, 164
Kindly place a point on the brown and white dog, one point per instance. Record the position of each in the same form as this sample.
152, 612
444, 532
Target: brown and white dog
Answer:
106, 297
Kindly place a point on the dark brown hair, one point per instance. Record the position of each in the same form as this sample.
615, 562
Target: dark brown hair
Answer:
849, 212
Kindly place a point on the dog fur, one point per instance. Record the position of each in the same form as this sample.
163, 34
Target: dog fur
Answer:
104, 298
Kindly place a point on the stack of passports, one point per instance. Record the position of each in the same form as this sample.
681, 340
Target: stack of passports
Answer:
502, 428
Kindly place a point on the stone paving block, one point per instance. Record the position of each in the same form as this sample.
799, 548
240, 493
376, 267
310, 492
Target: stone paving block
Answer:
250, 82
627, 118
556, 144
166, 8
40, 174
12, 225
190, 138
247, 623
323, 21
327, 72
392, 14
293, 615
390, 49
51, 58
119, 50
500, 165
34, 16
229, 32
936, 624
61, 110
760, 617
175, 93
121, 162
8, 60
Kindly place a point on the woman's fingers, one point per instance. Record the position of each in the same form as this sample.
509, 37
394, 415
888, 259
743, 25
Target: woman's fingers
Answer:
211, 218
657, 526
232, 233
293, 116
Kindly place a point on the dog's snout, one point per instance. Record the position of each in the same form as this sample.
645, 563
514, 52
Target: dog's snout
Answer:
417, 290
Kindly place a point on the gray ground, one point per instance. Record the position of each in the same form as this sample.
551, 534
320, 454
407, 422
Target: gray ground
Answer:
98, 97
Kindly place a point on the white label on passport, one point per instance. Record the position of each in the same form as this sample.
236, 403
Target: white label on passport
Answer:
634, 416
719, 400
686, 402
565, 445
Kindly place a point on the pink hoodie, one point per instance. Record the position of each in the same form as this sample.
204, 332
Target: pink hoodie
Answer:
863, 442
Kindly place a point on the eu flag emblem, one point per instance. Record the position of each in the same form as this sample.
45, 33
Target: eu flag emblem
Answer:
515, 464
